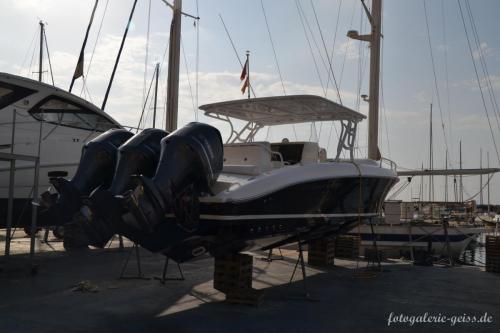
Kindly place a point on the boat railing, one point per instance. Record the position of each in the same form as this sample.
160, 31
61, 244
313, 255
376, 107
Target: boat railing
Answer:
387, 162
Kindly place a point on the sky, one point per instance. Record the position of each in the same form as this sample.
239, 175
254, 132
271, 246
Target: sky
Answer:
416, 71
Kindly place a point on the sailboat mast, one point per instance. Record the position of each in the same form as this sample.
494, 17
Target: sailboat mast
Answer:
173, 68
157, 74
40, 60
375, 18
376, 23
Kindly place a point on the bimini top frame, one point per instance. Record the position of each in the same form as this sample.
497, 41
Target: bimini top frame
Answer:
280, 110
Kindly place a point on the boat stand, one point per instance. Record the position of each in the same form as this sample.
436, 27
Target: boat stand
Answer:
140, 275
271, 258
377, 253
300, 259
163, 278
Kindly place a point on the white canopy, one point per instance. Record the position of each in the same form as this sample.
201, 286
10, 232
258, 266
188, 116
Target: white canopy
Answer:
267, 111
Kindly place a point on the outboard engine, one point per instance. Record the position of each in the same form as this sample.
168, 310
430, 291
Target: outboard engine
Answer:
96, 168
163, 210
100, 216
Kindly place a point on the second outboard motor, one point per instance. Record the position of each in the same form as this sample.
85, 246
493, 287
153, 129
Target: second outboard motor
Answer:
101, 214
190, 163
96, 168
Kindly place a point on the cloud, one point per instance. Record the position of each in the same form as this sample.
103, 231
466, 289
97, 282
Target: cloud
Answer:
349, 49
483, 50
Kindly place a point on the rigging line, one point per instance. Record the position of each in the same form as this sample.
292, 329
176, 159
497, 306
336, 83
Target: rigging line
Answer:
310, 47
272, 45
27, 52
94, 48
483, 64
234, 49
189, 81
145, 102
32, 57
48, 57
326, 52
434, 73
197, 22
347, 46
478, 80
334, 42
320, 54
445, 41
146, 58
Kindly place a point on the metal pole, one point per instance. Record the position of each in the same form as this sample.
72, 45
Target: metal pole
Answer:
173, 67
431, 183
446, 178
40, 60
461, 185
12, 174
118, 57
157, 74
488, 164
373, 152
248, 73
34, 203
481, 176
79, 64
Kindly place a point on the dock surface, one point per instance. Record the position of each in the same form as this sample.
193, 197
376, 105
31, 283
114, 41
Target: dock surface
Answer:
344, 298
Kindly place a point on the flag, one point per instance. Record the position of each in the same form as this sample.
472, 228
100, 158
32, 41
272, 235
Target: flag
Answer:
244, 71
79, 68
245, 85
244, 76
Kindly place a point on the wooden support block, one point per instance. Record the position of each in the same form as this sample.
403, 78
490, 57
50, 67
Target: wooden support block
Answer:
321, 253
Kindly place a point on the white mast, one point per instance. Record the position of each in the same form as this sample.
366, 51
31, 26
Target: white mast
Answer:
173, 67
375, 18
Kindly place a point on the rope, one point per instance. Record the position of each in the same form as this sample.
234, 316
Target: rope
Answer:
93, 49
27, 52
147, 54
197, 22
48, 57
478, 80
234, 49
434, 73
272, 45
189, 81
326, 51
483, 64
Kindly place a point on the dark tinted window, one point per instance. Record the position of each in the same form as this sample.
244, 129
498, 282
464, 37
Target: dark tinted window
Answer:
58, 111
10, 93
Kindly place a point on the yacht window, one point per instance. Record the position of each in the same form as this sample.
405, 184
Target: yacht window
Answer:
10, 94
291, 152
58, 111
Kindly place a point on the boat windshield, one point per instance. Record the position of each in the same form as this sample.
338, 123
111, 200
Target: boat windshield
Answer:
10, 94
56, 110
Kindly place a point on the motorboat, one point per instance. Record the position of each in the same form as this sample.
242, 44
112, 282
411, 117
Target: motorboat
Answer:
246, 194
33, 113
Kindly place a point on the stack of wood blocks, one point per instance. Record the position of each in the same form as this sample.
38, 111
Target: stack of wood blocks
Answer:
321, 252
493, 254
347, 246
233, 277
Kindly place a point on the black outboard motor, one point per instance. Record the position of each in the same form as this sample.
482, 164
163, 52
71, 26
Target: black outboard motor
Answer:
96, 168
163, 210
101, 214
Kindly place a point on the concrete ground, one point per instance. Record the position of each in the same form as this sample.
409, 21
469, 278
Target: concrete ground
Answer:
345, 298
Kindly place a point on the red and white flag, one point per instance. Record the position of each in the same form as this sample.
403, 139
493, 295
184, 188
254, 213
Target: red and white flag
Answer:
244, 76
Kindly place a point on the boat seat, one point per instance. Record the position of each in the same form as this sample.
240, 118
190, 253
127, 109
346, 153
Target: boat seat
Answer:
251, 158
297, 152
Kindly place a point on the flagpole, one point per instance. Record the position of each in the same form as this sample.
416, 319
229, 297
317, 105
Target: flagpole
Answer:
248, 73
79, 65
